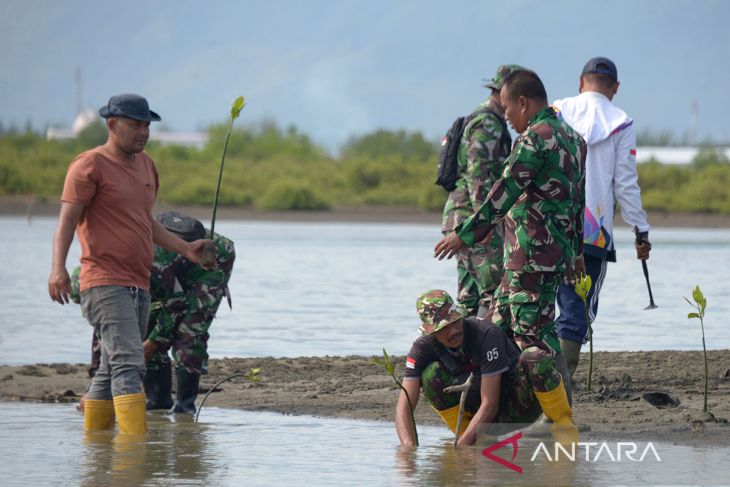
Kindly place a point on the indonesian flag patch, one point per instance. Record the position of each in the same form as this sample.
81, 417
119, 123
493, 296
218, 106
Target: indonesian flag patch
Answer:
410, 363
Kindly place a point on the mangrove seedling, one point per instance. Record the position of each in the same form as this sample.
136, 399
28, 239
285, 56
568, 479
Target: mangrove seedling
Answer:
582, 288
700, 303
236, 108
252, 376
389, 367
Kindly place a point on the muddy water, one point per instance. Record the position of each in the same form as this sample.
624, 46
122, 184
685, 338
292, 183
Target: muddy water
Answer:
42, 444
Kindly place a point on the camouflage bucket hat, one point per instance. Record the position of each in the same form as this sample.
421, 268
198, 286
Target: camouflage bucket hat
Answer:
437, 310
502, 72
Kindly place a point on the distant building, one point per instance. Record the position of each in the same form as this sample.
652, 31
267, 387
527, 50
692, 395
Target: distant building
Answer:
670, 155
90, 115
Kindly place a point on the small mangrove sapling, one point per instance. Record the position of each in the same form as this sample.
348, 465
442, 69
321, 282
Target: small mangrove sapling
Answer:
700, 303
387, 364
236, 108
252, 376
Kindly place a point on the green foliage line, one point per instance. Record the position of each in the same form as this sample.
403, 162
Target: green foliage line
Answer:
273, 168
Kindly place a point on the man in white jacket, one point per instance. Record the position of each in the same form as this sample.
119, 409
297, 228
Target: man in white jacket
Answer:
610, 178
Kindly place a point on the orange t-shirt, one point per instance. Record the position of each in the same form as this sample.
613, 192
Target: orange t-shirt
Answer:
115, 230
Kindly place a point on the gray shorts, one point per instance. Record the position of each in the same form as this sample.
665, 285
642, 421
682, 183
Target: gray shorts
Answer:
119, 315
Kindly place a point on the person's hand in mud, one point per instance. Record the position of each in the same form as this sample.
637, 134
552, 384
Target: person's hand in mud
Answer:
59, 285
448, 246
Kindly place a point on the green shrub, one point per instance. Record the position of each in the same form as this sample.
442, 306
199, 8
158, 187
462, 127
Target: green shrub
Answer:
94, 134
432, 198
274, 168
291, 195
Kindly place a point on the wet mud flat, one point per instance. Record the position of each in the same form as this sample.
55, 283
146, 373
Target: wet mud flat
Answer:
354, 387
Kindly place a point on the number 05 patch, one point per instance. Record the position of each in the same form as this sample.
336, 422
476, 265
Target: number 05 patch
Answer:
492, 354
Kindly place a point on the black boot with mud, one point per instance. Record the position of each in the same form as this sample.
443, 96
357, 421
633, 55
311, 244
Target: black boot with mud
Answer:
186, 391
158, 388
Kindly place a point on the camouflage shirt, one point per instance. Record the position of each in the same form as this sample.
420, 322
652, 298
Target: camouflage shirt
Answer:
183, 293
541, 197
484, 146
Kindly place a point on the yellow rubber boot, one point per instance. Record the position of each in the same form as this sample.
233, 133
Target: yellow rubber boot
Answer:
555, 406
131, 413
451, 417
98, 415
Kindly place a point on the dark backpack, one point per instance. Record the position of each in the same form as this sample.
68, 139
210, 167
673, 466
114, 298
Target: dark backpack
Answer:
448, 166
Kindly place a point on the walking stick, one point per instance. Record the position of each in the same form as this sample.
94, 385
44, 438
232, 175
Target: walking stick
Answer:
464, 389
640, 240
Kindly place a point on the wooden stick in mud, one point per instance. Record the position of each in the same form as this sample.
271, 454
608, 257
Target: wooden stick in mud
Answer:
464, 389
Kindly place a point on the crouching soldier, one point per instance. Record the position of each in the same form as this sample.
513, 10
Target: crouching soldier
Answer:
184, 300
509, 385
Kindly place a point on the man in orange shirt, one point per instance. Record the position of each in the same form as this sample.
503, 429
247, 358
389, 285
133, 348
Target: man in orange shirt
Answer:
107, 199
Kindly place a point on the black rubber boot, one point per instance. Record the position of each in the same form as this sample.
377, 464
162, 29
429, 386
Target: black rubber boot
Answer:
186, 391
562, 367
158, 388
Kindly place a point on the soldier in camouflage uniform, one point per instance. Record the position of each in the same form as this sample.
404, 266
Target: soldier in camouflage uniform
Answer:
540, 196
184, 300
509, 386
484, 146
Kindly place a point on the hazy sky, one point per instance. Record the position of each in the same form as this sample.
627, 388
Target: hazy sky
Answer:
338, 68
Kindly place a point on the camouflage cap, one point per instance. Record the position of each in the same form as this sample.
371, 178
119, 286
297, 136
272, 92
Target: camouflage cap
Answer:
502, 72
437, 310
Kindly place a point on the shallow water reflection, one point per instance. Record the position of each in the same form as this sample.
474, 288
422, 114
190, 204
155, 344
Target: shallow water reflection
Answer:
43, 444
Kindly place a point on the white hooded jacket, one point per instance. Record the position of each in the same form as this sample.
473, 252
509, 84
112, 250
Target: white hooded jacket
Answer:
610, 168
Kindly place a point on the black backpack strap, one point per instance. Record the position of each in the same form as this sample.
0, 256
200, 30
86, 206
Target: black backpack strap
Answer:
449, 362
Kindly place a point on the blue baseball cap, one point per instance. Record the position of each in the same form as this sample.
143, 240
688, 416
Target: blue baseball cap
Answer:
601, 65
129, 106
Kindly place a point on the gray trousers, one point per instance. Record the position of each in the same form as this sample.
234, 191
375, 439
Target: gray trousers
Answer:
119, 315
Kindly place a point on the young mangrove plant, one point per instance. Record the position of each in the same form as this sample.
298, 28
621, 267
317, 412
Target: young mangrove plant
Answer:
700, 303
236, 108
387, 364
252, 375
582, 288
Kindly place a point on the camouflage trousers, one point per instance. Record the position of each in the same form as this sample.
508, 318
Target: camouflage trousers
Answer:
188, 344
525, 304
479, 271
535, 371
189, 350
